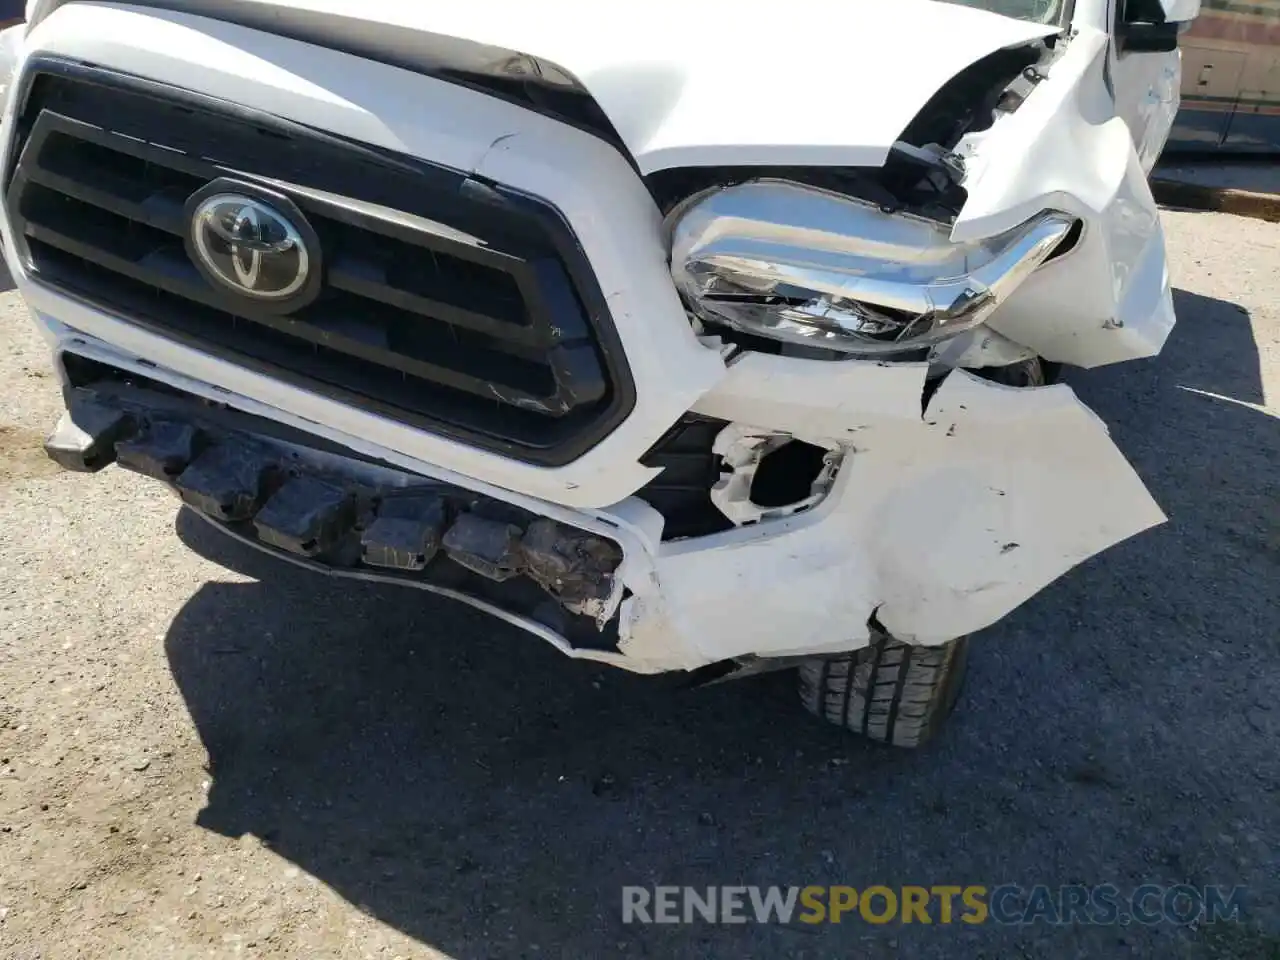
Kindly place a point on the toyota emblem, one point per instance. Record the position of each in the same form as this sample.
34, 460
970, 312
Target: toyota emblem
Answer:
247, 245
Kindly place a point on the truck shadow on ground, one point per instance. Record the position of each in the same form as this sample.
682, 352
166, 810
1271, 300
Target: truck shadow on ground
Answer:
469, 786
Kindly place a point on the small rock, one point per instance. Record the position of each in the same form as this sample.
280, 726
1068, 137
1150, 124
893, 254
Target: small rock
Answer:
141, 764
466, 865
198, 877
707, 819
1257, 719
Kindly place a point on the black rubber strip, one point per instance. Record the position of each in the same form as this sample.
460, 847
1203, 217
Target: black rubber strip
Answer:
875, 670
848, 689
898, 687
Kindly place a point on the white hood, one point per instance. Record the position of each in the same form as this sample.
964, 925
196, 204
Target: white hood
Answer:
658, 69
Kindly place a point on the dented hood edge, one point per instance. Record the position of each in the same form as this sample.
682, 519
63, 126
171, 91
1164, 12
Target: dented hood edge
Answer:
682, 84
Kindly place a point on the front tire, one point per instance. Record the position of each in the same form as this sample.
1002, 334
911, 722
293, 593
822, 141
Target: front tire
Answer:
890, 691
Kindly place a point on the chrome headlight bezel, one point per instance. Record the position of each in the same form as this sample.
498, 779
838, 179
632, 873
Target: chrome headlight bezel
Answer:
807, 266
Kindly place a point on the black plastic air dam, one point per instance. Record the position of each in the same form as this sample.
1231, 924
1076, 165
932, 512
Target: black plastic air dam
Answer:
328, 509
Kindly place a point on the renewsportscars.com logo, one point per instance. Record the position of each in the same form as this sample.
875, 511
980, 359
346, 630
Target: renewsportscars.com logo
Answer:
1007, 904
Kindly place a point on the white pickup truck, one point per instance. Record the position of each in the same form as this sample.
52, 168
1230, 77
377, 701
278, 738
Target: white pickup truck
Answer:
688, 336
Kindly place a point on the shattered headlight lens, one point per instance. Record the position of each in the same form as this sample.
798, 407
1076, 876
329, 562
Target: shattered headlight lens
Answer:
804, 265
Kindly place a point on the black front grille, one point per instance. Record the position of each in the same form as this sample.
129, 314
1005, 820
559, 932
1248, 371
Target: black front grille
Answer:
447, 302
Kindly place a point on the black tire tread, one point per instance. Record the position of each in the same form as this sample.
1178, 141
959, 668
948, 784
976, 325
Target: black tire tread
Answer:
889, 691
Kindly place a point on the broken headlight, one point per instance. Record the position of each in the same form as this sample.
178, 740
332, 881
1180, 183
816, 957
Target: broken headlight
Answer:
799, 264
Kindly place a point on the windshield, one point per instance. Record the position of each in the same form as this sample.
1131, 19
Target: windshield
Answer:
1040, 11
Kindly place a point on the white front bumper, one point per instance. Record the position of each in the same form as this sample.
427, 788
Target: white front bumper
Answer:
939, 523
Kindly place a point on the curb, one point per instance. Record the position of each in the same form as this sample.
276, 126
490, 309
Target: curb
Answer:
1195, 196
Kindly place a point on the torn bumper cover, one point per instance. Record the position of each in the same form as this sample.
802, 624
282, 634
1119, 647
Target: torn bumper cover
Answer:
938, 525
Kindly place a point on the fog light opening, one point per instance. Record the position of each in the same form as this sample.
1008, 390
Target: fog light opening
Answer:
787, 475
766, 476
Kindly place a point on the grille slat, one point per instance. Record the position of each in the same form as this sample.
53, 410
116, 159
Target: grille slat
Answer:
167, 269
369, 279
161, 209
476, 304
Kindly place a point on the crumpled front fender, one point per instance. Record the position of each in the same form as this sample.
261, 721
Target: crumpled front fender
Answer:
938, 525
1108, 299
1005, 490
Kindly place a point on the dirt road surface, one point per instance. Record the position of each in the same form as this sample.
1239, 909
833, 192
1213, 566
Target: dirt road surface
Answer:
206, 753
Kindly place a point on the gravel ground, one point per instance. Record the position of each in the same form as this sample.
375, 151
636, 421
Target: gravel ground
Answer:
206, 753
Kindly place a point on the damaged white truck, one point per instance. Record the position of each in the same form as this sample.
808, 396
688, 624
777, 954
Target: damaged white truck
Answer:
683, 337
